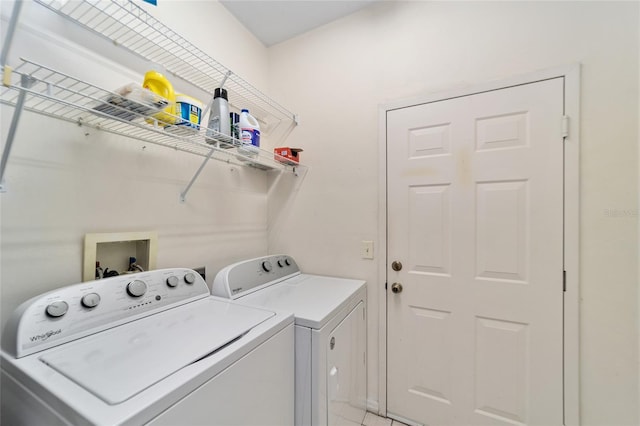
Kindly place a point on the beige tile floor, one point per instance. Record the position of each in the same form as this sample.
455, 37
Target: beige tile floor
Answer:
373, 420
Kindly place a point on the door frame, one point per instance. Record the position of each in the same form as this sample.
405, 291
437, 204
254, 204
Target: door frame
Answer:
571, 249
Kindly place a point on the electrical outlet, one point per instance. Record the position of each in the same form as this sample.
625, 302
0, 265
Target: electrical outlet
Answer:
367, 250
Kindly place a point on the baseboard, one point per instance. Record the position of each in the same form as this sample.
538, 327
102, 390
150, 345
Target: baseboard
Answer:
373, 406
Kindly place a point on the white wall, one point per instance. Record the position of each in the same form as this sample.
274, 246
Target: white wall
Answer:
63, 183
336, 77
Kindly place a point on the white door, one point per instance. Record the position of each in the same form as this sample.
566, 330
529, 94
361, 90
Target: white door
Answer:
475, 216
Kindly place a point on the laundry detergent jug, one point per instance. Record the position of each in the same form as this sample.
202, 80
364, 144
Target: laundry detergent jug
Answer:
157, 83
250, 134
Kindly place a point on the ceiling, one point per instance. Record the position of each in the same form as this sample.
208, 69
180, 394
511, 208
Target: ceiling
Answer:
275, 21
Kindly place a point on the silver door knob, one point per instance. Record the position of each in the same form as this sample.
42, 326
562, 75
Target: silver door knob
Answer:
396, 288
396, 265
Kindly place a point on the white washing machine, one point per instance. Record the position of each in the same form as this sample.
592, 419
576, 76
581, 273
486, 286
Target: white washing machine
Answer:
330, 317
146, 348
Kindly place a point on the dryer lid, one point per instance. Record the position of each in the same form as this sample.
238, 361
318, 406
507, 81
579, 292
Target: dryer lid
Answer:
313, 299
118, 363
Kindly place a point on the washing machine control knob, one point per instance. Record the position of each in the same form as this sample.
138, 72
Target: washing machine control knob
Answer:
90, 300
190, 278
57, 309
287, 261
280, 263
136, 288
266, 266
172, 281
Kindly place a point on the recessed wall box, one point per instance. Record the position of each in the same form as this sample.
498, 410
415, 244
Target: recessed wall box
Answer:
113, 251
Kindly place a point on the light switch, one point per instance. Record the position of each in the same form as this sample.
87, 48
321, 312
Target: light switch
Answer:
367, 249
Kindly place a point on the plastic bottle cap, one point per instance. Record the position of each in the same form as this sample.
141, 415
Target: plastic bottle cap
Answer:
245, 110
220, 93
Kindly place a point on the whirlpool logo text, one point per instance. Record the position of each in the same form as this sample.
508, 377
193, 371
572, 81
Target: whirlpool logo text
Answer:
45, 336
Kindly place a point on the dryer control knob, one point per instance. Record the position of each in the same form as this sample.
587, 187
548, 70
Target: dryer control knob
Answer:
136, 288
266, 266
57, 309
90, 300
287, 261
190, 278
172, 281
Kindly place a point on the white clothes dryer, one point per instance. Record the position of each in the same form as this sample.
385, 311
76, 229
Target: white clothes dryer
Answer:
330, 317
147, 348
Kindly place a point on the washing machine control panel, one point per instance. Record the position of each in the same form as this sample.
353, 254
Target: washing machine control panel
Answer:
248, 276
78, 310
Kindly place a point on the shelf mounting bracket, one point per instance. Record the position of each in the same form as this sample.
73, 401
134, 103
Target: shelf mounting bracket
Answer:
183, 194
26, 82
8, 39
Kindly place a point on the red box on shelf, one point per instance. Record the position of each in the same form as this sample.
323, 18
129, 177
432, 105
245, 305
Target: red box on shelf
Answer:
287, 155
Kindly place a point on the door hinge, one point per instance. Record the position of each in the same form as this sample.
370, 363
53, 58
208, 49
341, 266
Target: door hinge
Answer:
385, 285
565, 126
564, 280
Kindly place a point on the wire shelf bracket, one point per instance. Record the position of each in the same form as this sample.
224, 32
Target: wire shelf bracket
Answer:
26, 83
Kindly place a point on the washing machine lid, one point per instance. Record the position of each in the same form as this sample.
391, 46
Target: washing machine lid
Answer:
313, 299
118, 363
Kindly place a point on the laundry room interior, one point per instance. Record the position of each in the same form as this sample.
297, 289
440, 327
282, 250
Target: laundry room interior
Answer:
69, 186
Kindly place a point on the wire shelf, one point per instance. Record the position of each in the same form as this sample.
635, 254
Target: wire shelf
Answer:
126, 24
55, 94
